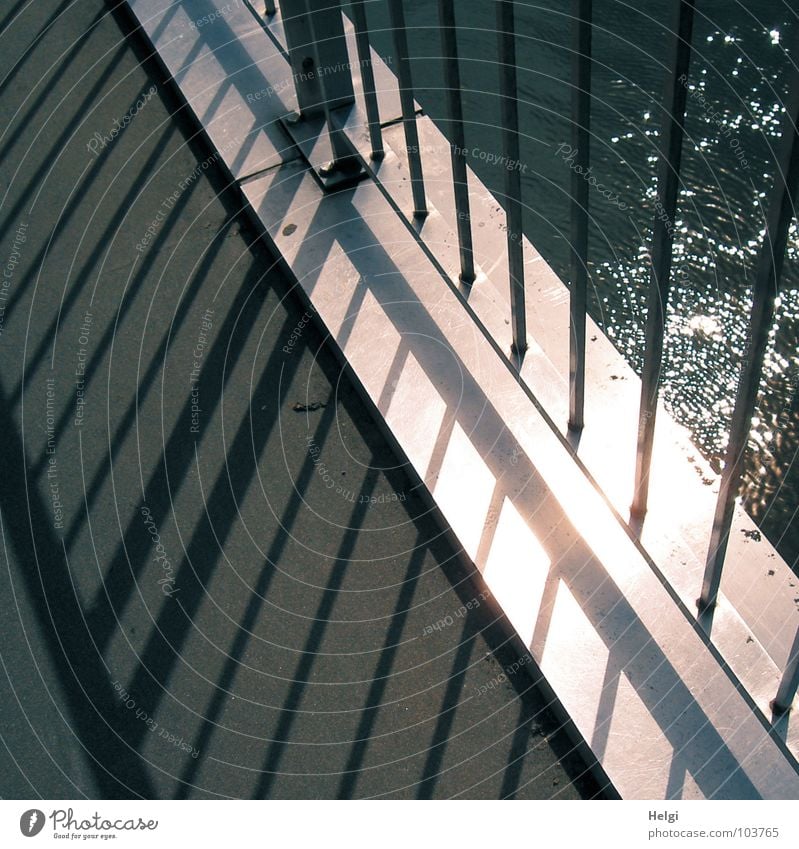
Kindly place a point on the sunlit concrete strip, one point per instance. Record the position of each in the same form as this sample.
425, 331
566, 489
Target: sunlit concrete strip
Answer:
574, 586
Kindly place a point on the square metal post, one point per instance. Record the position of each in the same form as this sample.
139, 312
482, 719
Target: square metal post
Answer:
320, 67
322, 76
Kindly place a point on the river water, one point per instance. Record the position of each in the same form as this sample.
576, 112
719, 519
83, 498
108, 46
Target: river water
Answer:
739, 72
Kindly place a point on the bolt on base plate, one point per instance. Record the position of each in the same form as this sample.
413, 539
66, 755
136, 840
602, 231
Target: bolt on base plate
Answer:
311, 137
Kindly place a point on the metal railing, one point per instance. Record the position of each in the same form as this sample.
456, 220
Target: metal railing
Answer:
779, 214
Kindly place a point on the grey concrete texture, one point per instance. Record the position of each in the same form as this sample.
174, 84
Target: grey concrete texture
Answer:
216, 579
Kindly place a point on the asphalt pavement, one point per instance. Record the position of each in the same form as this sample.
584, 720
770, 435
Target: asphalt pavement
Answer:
216, 580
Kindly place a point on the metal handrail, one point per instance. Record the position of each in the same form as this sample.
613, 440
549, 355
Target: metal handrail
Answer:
779, 214
368, 76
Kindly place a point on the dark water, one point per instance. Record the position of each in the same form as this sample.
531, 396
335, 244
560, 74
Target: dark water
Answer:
738, 75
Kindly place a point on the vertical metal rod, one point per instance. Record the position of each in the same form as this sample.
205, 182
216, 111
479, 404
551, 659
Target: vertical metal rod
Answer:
672, 128
580, 157
767, 277
344, 160
368, 77
789, 683
457, 145
397, 15
509, 120
269, 7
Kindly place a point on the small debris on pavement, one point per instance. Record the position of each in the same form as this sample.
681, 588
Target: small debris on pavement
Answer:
308, 408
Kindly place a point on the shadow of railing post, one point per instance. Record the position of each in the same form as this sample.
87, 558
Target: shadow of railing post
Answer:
95, 718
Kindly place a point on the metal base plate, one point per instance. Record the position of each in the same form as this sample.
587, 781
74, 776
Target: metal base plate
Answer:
312, 138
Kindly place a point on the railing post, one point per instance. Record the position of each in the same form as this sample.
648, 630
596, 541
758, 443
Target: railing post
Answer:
457, 145
509, 111
581, 139
322, 79
397, 15
769, 268
789, 684
368, 77
320, 68
672, 129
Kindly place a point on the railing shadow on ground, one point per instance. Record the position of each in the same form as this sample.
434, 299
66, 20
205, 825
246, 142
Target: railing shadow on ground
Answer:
78, 634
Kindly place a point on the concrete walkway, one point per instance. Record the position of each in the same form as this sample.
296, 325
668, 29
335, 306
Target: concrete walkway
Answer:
215, 582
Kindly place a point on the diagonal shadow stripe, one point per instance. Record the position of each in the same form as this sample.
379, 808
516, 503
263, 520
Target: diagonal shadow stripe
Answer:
14, 11
374, 698
587, 578
254, 607
50, 333
172, 628
131, 555
60, 144
446, 716
301, 676
42, 32
128, 418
